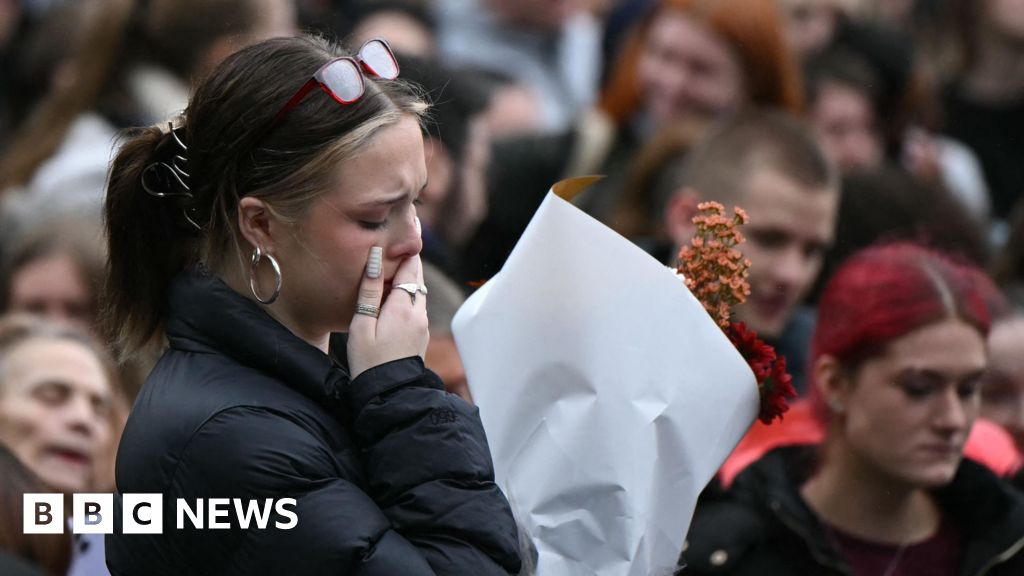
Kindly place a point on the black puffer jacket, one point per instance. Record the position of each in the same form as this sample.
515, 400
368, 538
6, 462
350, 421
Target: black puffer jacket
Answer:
391, 474
763, 527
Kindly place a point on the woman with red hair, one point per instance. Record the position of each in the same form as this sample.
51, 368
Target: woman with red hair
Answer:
702, 58
686, 61
898, 358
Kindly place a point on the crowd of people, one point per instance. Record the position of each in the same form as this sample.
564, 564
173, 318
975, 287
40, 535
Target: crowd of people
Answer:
211, 213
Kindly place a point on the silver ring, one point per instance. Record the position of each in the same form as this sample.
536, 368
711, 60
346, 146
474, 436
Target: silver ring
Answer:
411, 288
368, 310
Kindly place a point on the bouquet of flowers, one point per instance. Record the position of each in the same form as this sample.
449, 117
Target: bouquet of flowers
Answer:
601, 446
716, 273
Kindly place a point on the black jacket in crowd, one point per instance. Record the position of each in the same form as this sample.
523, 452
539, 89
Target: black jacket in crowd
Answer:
391, 474
764, 528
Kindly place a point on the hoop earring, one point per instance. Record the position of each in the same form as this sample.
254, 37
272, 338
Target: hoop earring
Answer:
257, 255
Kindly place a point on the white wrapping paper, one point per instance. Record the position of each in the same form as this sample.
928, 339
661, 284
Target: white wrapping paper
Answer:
609, 396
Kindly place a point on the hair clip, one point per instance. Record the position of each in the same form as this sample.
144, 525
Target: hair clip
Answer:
174, 135
171, 176
179, 170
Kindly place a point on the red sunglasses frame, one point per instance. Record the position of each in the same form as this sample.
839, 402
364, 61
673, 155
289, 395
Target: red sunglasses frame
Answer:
358, 62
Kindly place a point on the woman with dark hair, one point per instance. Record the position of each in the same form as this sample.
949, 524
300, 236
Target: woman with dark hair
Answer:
898, 357
55, 271
870, 103
889, 204
275, 216
984, 103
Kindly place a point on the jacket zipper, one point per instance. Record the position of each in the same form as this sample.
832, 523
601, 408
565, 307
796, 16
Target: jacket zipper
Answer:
777, 508
1006, 555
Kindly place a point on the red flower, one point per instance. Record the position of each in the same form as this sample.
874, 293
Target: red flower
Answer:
774, 384
774, 393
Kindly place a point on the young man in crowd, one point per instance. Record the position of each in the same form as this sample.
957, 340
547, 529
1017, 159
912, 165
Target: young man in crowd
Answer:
769, 164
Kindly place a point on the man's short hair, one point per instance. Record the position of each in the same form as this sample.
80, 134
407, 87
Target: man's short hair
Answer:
720, 166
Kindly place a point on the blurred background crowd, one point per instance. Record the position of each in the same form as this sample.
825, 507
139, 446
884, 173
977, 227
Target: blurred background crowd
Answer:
837, 124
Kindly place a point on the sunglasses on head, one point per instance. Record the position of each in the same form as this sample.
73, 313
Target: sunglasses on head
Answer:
342, 78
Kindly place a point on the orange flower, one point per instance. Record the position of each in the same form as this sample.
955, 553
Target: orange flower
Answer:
716, 273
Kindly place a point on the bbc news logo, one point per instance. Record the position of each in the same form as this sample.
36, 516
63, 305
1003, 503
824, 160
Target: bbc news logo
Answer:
144, 513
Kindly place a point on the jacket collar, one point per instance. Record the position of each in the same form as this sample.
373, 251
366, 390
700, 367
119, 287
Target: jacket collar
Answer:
990, 513
206, 315
774, 482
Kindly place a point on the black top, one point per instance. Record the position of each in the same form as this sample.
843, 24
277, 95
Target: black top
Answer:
392, 475
996, 134
763, 527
